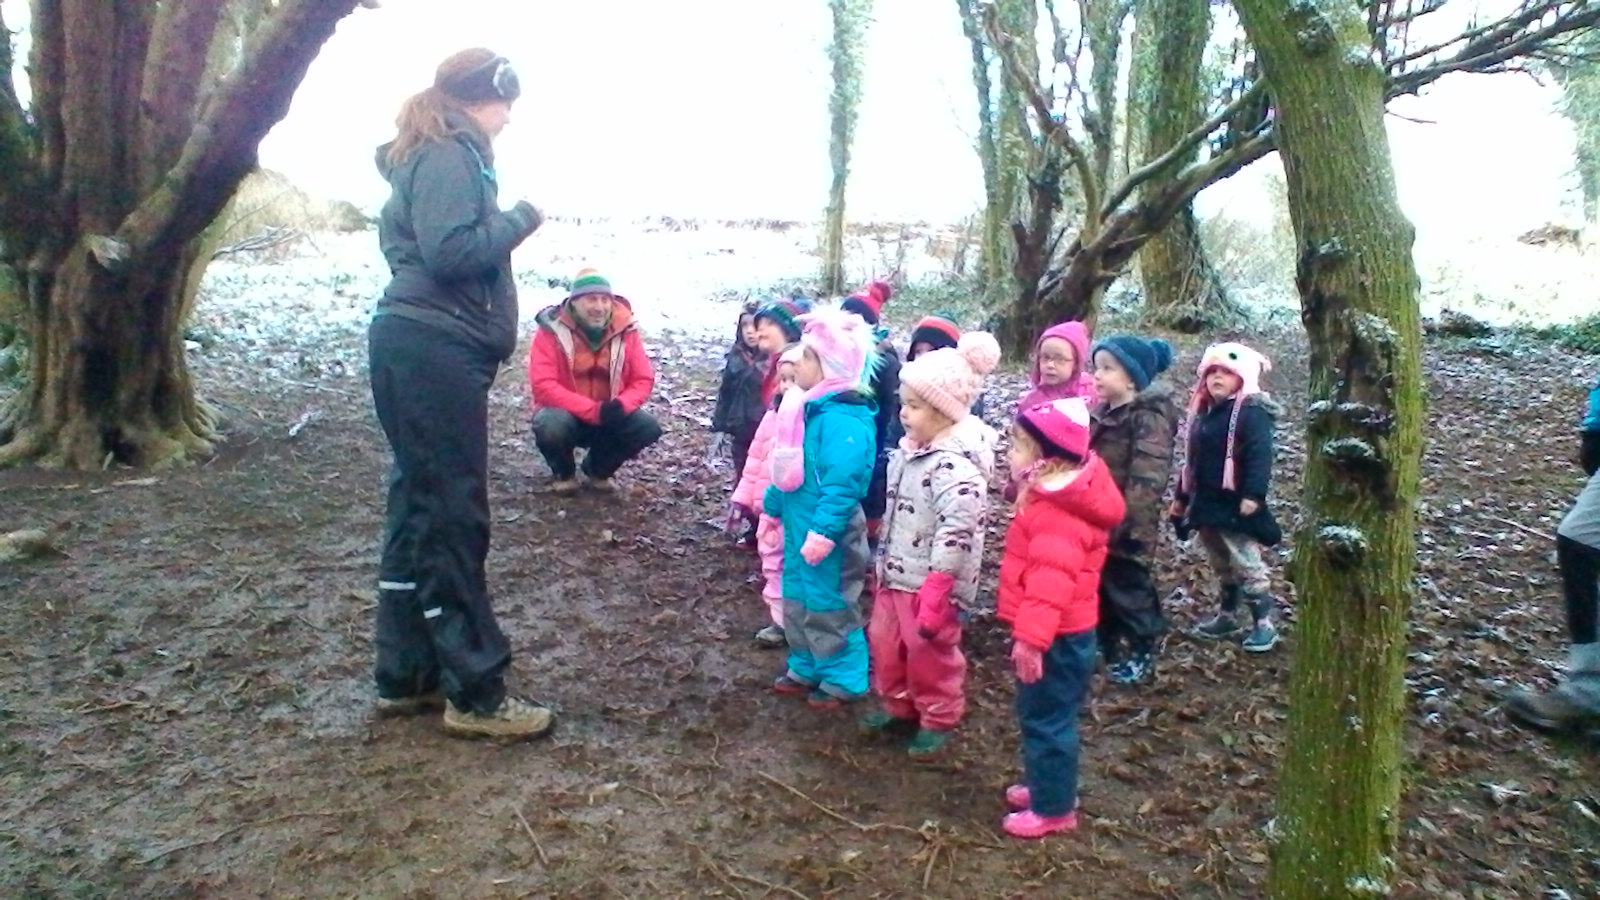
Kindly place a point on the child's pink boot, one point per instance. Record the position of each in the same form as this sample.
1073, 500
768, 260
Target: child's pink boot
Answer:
1029, 824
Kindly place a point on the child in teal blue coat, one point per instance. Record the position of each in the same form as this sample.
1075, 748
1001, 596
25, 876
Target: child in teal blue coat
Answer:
821, 466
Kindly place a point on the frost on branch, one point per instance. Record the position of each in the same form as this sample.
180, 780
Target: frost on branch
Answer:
1343, 545
1313, 26
1355, 457
1362, 417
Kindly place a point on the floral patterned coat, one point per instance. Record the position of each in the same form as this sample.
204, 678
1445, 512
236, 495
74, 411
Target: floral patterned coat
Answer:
938, 498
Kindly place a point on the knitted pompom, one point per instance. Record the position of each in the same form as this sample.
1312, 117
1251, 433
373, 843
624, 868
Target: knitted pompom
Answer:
980, 350
1163, 354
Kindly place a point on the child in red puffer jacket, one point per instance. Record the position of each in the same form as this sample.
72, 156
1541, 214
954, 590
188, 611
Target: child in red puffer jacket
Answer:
1067, 506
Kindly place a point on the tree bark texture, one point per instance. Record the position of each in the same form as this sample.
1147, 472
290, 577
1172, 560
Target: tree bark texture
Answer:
131, 149
1013, 140
1339, 790
994, 249
1182, 289
845, 54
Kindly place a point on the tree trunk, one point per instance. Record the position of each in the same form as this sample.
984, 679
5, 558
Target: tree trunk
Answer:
130, 148
994, 248
849, 27
1579, 78
1013, 143
1339, 791
107, 374
1182, 289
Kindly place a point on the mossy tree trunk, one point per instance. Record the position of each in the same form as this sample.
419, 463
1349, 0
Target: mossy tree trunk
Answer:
850, 19
127, 153
1182, 289
1339, 790
994, 241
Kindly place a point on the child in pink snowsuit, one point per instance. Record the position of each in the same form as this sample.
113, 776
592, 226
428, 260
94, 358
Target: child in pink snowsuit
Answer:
1060, 369
747, 496
938, 489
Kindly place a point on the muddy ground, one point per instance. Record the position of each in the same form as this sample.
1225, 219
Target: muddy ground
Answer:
185, 700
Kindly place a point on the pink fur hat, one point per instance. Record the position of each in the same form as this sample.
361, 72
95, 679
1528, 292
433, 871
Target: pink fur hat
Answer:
844, 344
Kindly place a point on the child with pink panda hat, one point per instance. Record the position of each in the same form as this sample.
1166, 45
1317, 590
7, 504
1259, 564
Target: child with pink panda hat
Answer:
1222, 492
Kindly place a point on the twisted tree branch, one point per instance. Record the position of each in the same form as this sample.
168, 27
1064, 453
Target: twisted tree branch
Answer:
232, 121
174, 80
1491, 47
1054, 130
1191, 140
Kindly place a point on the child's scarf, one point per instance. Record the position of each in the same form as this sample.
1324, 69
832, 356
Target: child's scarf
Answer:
843, 343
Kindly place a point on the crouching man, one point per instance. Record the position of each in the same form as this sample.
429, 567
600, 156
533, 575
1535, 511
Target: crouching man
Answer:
589, 376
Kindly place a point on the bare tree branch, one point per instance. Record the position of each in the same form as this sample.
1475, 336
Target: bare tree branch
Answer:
90, 35
135, 22
1053, 130
222, 148
1489, 48
1155, 166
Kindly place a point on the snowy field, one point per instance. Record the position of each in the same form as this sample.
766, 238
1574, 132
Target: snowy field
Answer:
307, 307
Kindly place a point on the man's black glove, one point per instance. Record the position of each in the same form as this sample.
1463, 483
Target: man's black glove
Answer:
1589, 452
611, 414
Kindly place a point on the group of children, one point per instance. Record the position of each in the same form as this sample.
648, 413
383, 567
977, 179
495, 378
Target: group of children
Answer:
858, 471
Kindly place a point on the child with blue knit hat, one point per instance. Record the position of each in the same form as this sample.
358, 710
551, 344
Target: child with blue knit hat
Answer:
1133, 427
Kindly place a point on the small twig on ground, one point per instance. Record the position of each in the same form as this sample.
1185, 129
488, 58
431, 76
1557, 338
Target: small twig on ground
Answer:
837, 816
1525, 529
111, 707
716, 870
648, 793
308, 814
1113, 828
318, 387
751, 879
537, 847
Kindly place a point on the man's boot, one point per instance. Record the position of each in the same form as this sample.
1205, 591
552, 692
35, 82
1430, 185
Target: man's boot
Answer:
1575, 703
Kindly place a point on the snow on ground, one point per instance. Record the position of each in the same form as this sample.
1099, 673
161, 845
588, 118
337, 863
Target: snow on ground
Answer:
306, 309
680, 277
1506, 282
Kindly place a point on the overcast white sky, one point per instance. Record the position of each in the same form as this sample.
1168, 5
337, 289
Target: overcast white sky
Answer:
719, 108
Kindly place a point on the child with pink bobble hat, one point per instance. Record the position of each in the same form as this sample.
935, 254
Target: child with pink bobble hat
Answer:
938, 493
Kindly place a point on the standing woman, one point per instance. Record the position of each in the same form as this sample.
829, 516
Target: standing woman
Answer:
445, 323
